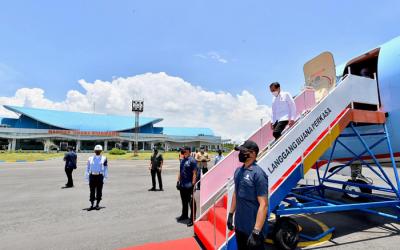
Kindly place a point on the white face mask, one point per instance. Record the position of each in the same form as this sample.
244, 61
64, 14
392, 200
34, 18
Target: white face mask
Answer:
275, 93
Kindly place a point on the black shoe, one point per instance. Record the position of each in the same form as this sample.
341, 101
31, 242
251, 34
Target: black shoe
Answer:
152, 189
97, 207
190, 223
182, 218
90, 208
161, 189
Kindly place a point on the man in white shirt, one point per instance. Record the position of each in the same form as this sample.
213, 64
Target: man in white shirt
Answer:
219, 157
96, 172
283, 110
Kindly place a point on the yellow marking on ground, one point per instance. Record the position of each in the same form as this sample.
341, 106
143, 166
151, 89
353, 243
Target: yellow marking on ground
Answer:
310, 243
316, 242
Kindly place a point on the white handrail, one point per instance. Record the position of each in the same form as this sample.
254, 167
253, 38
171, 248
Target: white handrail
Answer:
212, 196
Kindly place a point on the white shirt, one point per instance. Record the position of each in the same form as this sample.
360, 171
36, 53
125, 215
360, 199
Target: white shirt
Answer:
97, 164
283, 107
218, 158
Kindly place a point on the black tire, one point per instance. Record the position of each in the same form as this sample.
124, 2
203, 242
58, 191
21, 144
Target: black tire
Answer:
358, 189
286, 233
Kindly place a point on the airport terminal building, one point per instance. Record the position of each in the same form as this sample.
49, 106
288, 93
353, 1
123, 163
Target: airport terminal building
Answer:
45, 130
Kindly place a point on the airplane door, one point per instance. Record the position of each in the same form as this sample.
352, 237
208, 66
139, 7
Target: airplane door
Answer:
320, 74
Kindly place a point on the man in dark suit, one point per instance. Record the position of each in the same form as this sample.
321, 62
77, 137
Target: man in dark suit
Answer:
156, 163
70, 159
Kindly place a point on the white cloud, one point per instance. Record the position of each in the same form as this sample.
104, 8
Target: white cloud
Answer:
213, 55
179, 102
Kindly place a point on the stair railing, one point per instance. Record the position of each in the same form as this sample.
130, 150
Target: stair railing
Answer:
215, 179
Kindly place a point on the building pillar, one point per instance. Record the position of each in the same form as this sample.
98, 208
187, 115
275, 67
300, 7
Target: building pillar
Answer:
166, 146
78, 146
152, 145
46, 145
143, 145
130, 146
13, 144
9, 144
105, 146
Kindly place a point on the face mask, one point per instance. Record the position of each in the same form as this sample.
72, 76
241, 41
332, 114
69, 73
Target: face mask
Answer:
243, 156
275, 93
97, 152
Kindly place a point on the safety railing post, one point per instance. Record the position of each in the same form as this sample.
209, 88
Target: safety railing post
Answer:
215, 227
396, 174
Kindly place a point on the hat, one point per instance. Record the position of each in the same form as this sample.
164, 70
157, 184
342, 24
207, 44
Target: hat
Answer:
98, 148
248, 145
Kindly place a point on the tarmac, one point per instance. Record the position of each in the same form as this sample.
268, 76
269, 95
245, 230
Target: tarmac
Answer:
36, 213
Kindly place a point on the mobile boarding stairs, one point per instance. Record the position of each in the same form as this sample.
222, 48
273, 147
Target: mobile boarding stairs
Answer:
354, 102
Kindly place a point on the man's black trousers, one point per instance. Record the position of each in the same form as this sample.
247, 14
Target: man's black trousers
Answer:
278, 128
96, 187
70, 182
153, 178
241, 241
186, 197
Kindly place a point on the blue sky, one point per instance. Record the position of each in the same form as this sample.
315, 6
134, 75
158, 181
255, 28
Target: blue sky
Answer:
219, 45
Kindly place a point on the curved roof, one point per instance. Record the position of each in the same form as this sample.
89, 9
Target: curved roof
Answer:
82, 121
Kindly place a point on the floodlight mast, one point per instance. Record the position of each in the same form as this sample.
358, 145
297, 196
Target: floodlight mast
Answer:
137, 107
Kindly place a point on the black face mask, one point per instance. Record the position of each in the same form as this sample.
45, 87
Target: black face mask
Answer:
243, 156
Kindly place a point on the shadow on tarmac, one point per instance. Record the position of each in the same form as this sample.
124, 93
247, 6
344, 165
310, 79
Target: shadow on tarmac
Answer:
88, 209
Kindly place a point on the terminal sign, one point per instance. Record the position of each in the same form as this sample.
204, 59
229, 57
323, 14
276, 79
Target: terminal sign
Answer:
88, 133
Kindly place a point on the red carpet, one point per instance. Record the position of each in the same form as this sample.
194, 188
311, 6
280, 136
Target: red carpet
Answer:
180, 244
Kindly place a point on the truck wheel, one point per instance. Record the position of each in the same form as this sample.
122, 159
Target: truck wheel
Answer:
356, 189
286, 233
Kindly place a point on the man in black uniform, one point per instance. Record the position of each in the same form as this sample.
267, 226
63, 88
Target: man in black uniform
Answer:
186, 180
70, 164
249, 201
156, 163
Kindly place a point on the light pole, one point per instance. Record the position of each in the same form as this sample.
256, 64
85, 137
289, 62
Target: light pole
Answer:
137, 107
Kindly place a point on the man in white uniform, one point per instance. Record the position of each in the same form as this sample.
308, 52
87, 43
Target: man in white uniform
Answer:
96, 173
283, 110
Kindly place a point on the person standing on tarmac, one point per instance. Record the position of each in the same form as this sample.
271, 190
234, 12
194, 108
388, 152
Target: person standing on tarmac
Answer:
156, 163
70, 159
249, 201
283, 110
202, 159
96, 173
218, 157
186, 181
